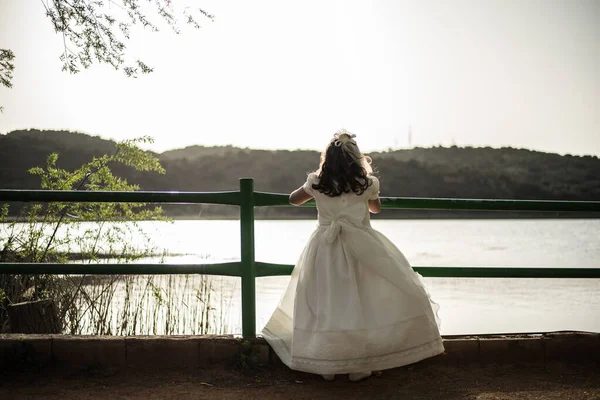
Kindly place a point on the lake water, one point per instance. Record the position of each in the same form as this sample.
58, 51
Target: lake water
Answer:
468, 306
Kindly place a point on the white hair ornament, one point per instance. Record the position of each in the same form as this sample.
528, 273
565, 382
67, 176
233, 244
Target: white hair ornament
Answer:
342, 137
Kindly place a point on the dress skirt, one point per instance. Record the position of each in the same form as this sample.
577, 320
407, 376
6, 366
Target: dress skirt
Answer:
353, 304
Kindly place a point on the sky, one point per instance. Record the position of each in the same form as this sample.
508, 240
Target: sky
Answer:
285, 75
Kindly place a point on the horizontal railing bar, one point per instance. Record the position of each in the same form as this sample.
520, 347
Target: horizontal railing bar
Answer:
424, 203
278, 199
270, 269
507, 272
224, 269
262, 199
230, 198
488, 204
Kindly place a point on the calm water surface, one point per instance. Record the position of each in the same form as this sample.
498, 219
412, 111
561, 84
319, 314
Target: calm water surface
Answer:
467, 305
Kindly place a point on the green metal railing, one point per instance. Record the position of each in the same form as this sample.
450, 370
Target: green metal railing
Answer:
248, 269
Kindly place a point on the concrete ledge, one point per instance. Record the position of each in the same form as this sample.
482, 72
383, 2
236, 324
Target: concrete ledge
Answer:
461, 351
217, 349
79, 352
514, 351
25, 350
189, 352
147, 352
575, 347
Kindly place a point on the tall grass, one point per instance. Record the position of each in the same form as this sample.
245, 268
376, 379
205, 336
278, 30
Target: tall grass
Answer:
111, 305
146, 305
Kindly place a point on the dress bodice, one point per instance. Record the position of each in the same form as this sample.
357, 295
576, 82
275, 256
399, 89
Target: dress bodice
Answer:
349, 208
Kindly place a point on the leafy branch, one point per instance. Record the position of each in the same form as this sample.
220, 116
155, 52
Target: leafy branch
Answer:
7, 67
93, 32
97, 31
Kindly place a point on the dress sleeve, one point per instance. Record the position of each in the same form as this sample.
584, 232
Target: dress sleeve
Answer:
311, 180
374, 188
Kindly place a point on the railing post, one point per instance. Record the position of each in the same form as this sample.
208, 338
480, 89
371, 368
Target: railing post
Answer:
247, 256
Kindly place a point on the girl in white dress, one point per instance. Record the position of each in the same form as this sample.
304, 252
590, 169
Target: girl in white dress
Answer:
353, 305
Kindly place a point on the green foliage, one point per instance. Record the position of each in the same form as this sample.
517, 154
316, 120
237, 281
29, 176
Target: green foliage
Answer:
7, 67
94, 32
95, 175
88, 231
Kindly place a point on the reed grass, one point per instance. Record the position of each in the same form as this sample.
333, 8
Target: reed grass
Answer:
145, 305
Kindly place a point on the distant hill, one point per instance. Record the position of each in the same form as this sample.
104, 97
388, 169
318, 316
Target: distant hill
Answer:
505, 173
194, 152
21, 150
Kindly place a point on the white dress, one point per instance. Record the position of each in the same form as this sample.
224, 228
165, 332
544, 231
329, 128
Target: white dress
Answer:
353, 303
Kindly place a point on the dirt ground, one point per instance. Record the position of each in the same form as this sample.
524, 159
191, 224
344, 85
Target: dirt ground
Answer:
420, 381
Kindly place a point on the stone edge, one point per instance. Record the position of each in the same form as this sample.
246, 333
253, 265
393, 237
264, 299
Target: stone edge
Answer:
80, 353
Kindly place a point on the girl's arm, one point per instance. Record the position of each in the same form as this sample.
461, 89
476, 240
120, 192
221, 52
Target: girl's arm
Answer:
375, 206
374, 202
299, 196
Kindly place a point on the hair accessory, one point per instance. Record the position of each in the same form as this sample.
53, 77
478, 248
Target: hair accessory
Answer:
342, 137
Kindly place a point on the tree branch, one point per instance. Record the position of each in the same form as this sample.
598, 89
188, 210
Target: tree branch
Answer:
7, 67
91, 31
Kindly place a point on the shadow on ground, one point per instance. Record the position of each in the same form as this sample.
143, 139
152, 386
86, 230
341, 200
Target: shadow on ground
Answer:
419, 381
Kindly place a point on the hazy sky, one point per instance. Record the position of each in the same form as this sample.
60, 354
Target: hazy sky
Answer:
282, 74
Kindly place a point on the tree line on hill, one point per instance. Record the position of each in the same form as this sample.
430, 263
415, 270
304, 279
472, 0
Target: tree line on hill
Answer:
505, 173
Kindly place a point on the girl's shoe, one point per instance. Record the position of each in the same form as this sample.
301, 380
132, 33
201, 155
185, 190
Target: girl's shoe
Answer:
359, 376
328, 377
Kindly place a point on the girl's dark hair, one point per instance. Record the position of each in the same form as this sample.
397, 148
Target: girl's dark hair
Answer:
344, 168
